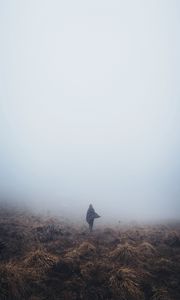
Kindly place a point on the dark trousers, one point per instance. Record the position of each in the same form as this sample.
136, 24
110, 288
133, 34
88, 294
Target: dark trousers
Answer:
91, 222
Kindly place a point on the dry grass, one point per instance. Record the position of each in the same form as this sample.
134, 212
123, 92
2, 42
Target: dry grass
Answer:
124, 285
161, 294
125, 254
145, 249
88, 270
85, 249
43, 258
12, 281
40, 260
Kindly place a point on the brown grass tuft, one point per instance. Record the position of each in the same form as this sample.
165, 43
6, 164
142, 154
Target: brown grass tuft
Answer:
12, 281
125, 286
146, 249
40, 260
88, 271
84, 250
126, 254
161, 294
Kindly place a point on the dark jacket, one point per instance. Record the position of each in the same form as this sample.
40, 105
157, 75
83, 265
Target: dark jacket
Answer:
91, 214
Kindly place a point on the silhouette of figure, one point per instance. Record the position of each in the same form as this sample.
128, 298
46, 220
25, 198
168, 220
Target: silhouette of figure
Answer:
90, 216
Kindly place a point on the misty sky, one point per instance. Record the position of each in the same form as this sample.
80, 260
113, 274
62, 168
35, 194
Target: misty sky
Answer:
90, 105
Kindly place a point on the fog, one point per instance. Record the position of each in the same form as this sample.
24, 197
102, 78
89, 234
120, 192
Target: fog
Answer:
90, 106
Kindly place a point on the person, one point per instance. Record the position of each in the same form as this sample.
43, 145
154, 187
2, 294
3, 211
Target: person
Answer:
90, 216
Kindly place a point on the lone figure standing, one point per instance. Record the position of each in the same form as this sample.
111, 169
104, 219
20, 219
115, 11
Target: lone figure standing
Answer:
90, 216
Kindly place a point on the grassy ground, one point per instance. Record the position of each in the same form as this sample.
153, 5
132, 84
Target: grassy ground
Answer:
47, 258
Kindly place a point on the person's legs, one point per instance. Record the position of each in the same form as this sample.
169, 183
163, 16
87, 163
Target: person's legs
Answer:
91, 225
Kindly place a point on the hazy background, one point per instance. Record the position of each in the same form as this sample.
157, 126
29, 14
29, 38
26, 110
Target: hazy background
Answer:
90, 106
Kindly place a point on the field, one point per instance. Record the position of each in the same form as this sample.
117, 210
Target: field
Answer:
49, 258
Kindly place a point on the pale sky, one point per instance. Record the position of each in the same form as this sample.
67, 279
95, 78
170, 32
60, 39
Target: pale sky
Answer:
90, 105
